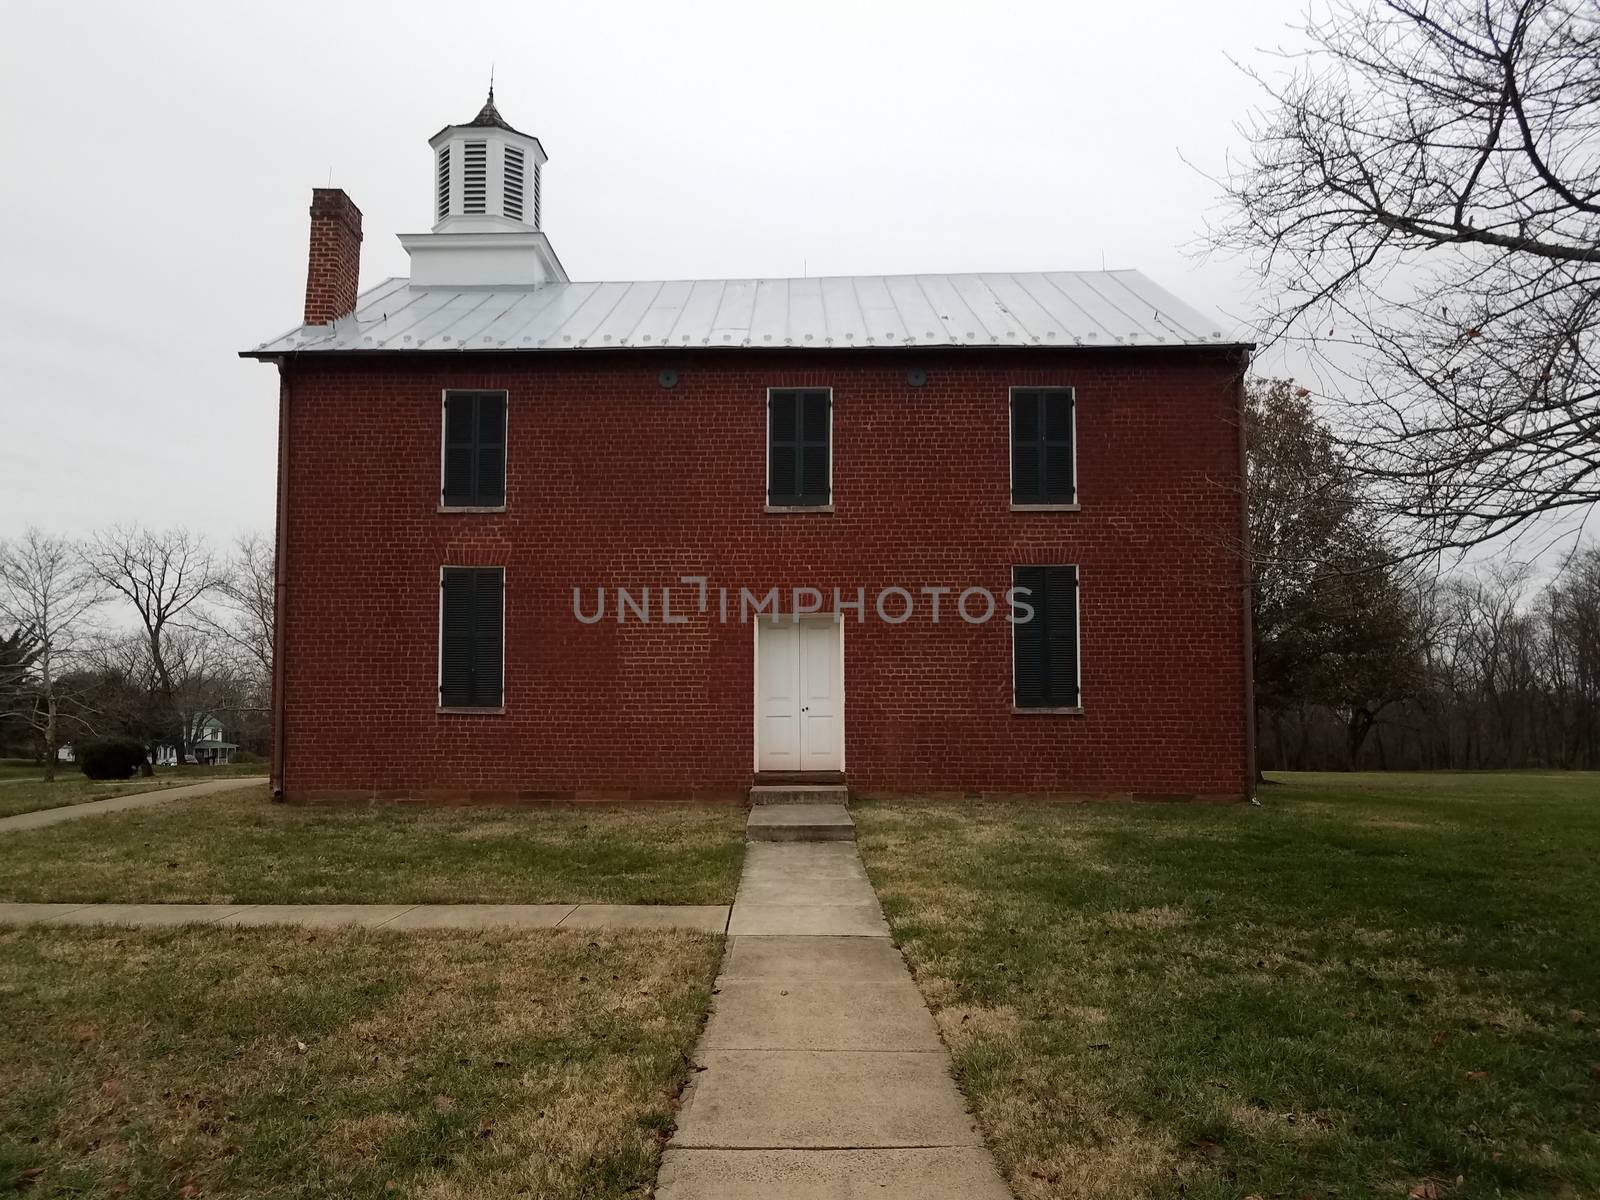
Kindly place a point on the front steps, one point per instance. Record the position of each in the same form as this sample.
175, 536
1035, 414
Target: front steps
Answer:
799, 793
799, 822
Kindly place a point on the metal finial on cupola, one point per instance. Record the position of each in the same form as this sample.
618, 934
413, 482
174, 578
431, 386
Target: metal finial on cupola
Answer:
489, 116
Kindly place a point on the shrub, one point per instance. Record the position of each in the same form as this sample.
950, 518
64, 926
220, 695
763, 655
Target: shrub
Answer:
109, 757
246, 756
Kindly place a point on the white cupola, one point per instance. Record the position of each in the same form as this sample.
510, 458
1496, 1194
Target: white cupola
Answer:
487, 199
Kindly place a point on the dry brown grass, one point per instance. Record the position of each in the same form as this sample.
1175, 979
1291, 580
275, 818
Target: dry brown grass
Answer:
244, 1063
239, 848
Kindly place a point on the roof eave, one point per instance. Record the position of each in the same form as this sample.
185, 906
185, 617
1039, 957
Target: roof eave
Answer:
262, 354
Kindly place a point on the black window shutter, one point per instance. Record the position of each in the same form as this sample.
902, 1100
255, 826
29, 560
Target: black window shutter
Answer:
815, 469
1059, 485
488, 680
783, 448
1041, 447
460, 430
798, 450
474, 449
1028, 640
1061, 624
471, 638
1027, 478
1045, 649
455, 639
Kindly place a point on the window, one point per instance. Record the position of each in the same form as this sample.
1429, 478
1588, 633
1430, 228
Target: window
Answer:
474, 450
1044, 650
799, 450
471, 637
1043, 466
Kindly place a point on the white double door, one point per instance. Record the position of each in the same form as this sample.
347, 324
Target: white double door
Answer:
799, 695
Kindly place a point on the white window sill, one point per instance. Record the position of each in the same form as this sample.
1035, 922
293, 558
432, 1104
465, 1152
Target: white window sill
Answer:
799, 508
471, 508
1020, 711
471, 712
1046, 508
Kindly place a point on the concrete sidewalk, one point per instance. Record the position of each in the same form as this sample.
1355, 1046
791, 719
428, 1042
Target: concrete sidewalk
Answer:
147, 799
704, 918
820, 1075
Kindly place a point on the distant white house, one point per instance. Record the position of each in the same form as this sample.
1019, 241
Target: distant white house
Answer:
209, 749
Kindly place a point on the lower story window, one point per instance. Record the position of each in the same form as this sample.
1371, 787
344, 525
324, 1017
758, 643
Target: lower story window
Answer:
1044, 648
472, 637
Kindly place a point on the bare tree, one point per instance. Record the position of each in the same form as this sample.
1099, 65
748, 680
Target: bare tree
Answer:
165, 576
1422, 198
46, 590
244, 598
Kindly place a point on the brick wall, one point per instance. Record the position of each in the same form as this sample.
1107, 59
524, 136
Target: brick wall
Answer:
613, 481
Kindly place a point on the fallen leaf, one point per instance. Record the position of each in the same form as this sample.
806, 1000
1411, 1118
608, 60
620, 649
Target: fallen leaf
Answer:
1575, 1015
1439, 1039
1477, 1075
1426, 1190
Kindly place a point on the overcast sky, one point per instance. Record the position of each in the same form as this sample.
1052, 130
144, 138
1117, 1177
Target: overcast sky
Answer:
159, 161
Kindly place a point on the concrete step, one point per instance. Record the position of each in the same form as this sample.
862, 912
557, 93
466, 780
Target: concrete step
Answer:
799, 823
799, 793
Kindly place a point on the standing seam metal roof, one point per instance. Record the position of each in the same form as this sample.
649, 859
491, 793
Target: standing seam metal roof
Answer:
1046, 308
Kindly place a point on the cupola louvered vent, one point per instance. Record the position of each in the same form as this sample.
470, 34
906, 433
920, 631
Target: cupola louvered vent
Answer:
513, 183
444, 182
486, 179
475, 178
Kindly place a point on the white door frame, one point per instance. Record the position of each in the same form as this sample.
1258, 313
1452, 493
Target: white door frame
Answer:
755, 677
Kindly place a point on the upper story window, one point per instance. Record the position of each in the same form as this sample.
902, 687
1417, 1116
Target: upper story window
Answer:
472, 647
1044, 467
799, 448
474, 454
1044, 649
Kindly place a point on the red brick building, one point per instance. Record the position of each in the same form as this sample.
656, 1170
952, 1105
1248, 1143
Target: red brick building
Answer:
532, 534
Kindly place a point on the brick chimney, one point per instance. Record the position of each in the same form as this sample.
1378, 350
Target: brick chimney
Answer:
335, 263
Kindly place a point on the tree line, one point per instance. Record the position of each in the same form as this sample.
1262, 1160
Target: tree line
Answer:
138, 632
1369, 657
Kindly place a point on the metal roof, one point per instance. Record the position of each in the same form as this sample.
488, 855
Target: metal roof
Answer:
1047, 308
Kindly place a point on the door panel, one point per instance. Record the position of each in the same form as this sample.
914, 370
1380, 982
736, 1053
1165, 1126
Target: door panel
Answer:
819, 697
778, 696
799, 697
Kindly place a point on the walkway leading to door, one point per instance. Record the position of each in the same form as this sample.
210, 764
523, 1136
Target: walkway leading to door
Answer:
820, 1075
91, 808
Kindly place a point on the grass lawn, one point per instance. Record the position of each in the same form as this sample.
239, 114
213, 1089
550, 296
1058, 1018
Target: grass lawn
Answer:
254, 1063
20, 793
241, 848
1372, 986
